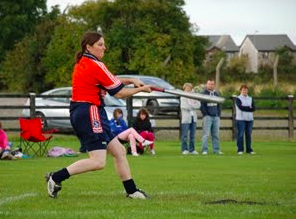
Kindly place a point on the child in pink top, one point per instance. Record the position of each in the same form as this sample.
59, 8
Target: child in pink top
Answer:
4, 147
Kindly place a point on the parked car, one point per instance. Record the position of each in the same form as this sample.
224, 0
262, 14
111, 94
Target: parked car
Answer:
111, 104
171, 104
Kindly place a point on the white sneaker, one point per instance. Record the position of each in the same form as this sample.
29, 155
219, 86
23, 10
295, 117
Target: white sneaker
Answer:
204, 152
240, 153
252, 152
138, 195
194, 152
220, 152
185, 152
135, 154
152, 151
52, 186
7, 156
147, 142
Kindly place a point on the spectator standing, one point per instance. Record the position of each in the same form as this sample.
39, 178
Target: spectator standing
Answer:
189, 120
245, 108
211, 113
143, 126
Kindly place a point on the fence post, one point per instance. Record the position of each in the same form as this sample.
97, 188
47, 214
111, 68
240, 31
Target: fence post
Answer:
233, 114
290, 116
129, 108
32, 105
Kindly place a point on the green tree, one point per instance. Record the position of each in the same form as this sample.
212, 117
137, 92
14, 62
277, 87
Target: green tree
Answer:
59, 58
149, 37
236, 68
211, 66
286, 63
22, 69
17, 18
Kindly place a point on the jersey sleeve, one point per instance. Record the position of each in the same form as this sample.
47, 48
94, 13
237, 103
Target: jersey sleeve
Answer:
107, 81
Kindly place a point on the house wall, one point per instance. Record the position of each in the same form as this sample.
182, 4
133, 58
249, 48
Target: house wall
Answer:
266, 58
248, 48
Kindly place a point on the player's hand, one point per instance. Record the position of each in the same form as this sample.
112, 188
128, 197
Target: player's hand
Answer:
138, 82
102, 93
146, 88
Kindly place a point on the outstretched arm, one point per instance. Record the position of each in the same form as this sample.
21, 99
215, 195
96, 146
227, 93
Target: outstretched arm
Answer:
135, 81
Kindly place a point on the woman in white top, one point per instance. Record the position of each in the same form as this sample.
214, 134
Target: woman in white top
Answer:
245, 108
189, 120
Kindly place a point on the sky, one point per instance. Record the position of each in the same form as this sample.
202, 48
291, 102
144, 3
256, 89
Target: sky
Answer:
236, 18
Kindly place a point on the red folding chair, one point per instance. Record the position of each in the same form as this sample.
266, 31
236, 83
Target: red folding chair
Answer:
32, 138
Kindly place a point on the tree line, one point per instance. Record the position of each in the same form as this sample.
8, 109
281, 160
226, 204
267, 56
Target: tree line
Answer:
147, 37
150, 37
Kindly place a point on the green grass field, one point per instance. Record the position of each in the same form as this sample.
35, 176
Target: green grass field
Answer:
180, 186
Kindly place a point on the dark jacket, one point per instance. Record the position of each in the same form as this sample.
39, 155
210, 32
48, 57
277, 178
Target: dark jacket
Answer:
210, 109
140, 125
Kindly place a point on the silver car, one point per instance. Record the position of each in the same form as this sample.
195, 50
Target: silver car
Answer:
111, 104
169, 104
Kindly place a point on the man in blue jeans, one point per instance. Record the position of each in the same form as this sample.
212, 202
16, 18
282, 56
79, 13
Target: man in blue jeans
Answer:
211, 120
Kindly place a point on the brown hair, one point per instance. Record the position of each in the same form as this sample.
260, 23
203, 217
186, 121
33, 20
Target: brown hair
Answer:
89, 38
115, 112
143, 111
244, 86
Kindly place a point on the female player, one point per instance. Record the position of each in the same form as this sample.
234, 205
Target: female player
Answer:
89, 119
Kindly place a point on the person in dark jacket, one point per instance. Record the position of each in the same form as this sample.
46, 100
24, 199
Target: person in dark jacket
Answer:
211, 113
143, 126
245, 108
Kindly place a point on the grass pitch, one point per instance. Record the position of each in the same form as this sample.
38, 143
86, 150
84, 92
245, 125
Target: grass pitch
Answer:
264, 185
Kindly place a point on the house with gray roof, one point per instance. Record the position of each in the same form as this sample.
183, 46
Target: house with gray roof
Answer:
223, 43
261, 49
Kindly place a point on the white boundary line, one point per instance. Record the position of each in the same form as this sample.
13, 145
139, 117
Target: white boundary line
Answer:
15, 198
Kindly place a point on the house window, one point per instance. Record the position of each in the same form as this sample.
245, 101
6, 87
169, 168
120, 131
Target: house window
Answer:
265, 55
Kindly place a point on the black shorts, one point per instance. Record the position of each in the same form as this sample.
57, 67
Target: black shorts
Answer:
91, 124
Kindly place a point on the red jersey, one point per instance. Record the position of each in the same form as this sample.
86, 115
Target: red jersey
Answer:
89, 77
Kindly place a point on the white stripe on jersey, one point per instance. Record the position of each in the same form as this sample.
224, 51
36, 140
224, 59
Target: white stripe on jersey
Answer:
116, 81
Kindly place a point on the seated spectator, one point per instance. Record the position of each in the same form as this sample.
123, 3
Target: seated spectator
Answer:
123, 133
143, 126
5, 146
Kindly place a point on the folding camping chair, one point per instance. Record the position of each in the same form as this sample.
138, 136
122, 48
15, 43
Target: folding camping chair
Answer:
32, 138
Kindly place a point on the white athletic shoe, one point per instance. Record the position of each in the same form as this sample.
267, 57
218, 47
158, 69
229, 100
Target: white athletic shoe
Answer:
139, 194
240, 153
252, 152
7, 156
152, 151
135, 154
204, 152
194, 152
147, 142
52, 186
185, 152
